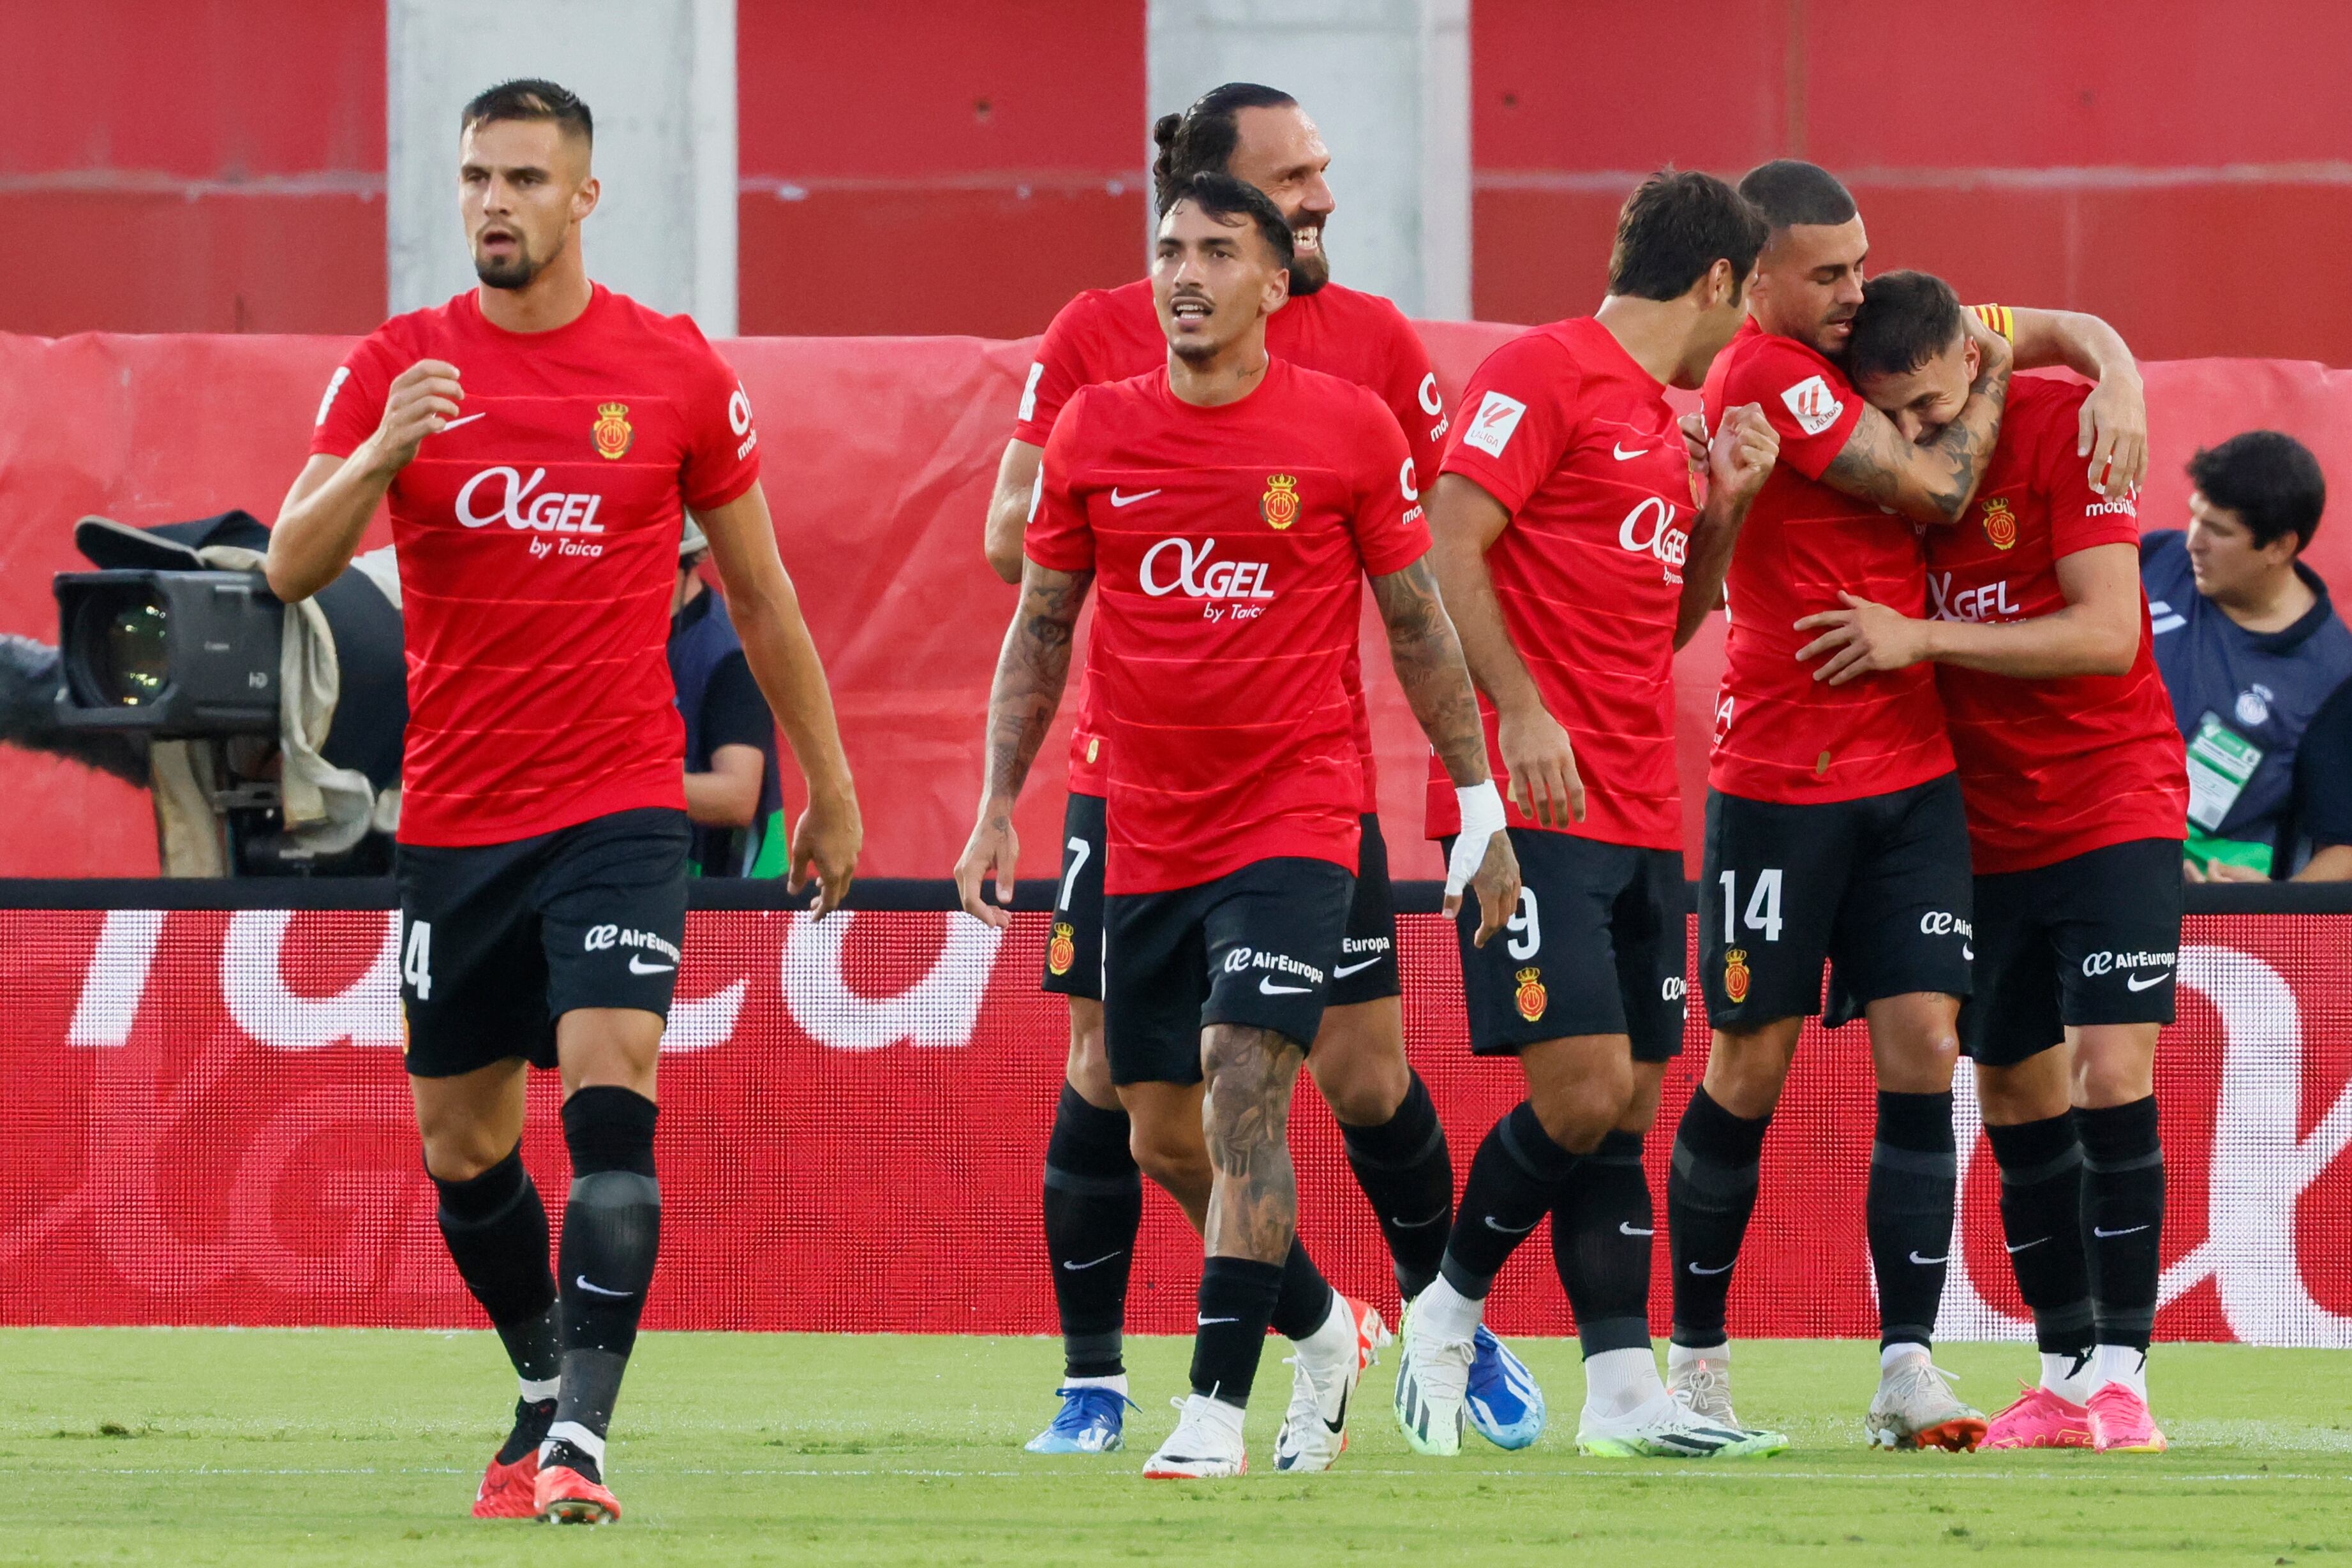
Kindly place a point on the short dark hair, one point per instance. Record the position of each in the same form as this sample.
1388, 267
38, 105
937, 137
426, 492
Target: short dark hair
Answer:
1675, 226
530, 97
1221, 197
1790, 191
1906, 319
2270, 480
1201, 140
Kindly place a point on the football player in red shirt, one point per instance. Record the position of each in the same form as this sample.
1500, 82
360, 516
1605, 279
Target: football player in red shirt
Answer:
1834, 826
1395, 1143
1575, 564
2077, 796
1230, 505
539, 440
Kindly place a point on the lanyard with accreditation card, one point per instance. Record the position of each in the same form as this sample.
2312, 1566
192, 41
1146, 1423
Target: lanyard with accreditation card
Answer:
2220, 761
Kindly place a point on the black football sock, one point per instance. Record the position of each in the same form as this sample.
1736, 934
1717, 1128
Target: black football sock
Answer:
1408, 1175
1303, 1301
2123, 1217
496, 1230
1237, 1297
1516, 1177
1094, 1205
2041, 1220
1914, 1182
612, 1231
1710, 1193
1600, 1234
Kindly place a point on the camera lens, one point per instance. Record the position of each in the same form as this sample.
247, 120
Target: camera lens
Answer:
121, 649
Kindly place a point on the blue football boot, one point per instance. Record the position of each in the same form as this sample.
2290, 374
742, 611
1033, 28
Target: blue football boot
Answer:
1091, 1421
1504, 1404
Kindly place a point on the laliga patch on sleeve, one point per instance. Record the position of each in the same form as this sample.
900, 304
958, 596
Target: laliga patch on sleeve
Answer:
1812, 401
1490, 429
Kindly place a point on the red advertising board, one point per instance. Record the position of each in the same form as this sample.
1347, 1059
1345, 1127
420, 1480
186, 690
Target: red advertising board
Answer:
209, 1125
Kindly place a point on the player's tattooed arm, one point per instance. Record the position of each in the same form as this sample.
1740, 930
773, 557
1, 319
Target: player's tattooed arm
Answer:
1032, 668
1738, 457
1935, 482
1246, 1111
1465, 522
1428, 666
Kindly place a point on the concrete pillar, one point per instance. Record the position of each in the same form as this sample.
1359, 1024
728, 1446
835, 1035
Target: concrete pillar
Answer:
1388, 83
658, 74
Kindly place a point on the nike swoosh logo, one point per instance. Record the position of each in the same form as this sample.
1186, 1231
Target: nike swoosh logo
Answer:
1106, 1257
639, 966
2111, 1235
1929, 1262
1624, 457
581, 1281
1265, 986
1417, 1224
1626, 1228
1338, 1423
1725, 1269
469, 419
1512, 1229
1204, 1323
2133, 983
1968, 954
1119, 500
2022, 1246
1344, 971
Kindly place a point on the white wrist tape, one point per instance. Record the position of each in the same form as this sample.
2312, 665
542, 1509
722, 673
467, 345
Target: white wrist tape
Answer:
1482, 818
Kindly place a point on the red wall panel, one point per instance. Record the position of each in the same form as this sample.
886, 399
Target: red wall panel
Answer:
964, 169
2148, 168
210, 165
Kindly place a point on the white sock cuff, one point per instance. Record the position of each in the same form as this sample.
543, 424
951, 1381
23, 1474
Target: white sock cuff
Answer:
1445, 1314
1224, 1414
579, 1437
1116, 1383
1684, 1354
1336, 1334
536, 1389
1901, 1348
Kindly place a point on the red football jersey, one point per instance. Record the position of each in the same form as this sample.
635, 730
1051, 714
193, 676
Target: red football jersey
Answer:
1110, 334
1577, 443
1781, 735
2050, 769
537, 548
1229, 547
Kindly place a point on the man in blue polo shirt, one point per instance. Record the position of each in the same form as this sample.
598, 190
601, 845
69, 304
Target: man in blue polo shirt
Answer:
733, 796
2250, 650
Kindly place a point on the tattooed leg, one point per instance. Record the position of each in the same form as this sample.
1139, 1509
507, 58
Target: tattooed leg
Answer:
1253, 1203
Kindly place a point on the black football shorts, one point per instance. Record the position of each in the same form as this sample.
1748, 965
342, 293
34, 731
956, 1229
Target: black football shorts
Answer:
498, 940
1367, 969
1597, 946
2092, 939
1074, 942
1877, 887
1257, 947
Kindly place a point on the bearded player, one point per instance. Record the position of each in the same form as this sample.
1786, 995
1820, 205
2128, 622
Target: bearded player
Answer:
1834, 826
1395, 1143
539, 440
2077, 793
1234, 779
1574, 564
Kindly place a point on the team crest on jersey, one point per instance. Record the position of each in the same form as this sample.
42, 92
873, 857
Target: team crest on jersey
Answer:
1280, 506
1734, 974
1999, 523
612, 430
1062, 950
1531, 997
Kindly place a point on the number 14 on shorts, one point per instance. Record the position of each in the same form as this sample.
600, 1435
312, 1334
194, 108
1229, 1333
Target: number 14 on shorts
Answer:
1763, 912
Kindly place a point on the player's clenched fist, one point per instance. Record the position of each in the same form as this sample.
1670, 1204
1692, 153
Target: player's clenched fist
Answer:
994, 846
1740, 456
422, 401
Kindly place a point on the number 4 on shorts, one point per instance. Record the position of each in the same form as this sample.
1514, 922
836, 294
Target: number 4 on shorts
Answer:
1763, 905
417, 960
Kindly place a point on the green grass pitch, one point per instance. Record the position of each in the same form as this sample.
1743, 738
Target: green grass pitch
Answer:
267, 1447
